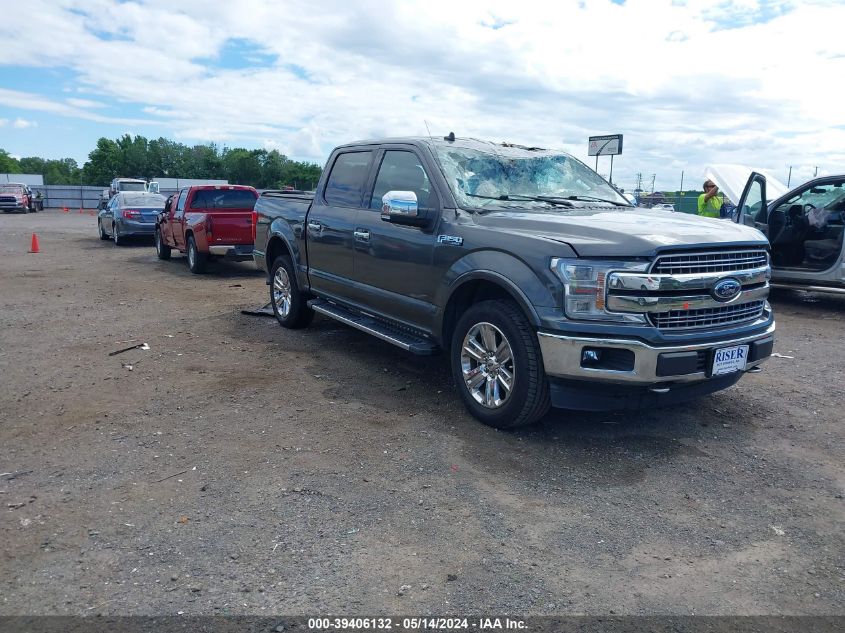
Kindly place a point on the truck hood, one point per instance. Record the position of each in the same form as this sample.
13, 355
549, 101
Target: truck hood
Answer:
731, 180
616, 232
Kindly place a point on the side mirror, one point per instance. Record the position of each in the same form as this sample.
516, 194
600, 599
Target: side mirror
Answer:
401, 207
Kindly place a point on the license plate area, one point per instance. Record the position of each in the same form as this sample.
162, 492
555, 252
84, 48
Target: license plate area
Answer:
727, 360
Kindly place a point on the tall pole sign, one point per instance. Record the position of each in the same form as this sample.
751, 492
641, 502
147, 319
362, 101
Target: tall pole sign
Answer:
608, 145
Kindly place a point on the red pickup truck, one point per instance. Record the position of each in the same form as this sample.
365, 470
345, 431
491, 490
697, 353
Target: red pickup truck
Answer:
207, 221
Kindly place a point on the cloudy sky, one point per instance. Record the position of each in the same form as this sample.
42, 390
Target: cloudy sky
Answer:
688, 82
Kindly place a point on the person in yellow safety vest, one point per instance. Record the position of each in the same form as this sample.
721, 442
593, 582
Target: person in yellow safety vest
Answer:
709, 202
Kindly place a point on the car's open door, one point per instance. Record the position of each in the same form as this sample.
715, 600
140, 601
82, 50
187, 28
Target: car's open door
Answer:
752, 209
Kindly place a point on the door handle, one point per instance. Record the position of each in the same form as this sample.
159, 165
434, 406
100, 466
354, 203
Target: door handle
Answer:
362, 234
315, 226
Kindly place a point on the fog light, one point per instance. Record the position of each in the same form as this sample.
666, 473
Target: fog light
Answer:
591, 356
607, 358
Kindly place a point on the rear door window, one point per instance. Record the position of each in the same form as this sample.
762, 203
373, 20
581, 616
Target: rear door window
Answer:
345, 185
223, 199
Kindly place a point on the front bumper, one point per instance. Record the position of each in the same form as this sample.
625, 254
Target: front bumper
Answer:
14, 208
635, 363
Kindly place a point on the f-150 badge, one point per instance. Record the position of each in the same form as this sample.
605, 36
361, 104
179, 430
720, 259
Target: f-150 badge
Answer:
450, 239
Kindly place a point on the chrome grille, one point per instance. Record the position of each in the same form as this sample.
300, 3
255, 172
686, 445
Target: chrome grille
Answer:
705, 317
710, 262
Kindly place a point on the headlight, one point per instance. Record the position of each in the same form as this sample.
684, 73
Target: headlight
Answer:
584, 285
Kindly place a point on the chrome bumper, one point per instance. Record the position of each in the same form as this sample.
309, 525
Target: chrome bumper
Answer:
229, 250
562, 358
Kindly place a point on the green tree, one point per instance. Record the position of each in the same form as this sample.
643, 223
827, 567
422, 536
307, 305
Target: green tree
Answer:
272, 170
104, 163
206, 162
64, 171
301, 175
133, 153
241, 166
8, 165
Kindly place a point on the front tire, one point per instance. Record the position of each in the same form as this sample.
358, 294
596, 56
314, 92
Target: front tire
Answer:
498, 367
162, 249
103, 235
196, 260
289, 303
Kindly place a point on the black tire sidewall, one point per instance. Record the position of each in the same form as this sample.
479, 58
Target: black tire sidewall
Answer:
197, 258
299, 311
497, 312
162, 250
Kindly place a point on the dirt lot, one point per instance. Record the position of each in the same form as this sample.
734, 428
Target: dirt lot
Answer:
243, 468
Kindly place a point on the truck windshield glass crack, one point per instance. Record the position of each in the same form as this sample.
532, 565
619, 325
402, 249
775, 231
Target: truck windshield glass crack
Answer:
478, 177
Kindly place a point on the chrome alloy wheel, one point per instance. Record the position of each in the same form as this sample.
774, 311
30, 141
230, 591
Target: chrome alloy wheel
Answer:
282, 294
192, 257
487, 365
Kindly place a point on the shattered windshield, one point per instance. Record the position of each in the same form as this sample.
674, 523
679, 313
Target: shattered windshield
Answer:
505, 176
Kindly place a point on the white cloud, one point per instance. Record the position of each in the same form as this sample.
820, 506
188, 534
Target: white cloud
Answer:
687, 83
85, 103
22, 124
4, 122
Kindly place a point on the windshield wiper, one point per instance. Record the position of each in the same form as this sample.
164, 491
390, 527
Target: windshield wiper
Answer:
594, 199
517, 197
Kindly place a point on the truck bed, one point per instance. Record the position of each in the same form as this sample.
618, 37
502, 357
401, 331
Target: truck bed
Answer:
290, 207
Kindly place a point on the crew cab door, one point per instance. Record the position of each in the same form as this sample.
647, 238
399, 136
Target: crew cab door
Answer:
752, 209
805, 228
394, 261
177, 223
331, 220
165, 221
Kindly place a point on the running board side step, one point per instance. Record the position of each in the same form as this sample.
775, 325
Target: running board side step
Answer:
405, 340
789, 286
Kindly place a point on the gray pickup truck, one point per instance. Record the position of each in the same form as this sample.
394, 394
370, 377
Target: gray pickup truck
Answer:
541, 283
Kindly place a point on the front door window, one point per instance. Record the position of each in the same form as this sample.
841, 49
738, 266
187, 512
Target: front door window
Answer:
753, 211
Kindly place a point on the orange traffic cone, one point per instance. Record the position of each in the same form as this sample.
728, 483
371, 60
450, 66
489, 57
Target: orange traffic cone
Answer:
34, 248
65, 209
80, 209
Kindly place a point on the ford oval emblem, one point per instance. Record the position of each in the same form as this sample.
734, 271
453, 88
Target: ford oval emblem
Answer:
727, 289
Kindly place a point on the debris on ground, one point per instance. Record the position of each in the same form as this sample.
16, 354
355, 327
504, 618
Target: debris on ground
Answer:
266, 310
143, 346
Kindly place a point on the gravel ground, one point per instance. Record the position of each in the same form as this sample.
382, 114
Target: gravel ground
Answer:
240, 468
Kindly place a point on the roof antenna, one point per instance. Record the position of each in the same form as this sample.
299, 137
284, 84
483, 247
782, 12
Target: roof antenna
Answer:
450, 138
428, 129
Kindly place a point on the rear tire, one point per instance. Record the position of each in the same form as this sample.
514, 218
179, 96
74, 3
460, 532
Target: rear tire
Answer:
498, 367
162, 249
289, 303
196, 260
118, 240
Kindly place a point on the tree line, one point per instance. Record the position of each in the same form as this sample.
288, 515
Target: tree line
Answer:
137, 157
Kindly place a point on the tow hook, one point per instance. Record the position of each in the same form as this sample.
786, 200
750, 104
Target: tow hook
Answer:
659, 389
